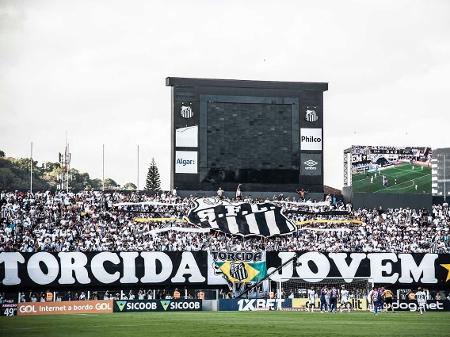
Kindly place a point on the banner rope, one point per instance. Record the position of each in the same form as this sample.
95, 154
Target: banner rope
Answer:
298, 223
319, 221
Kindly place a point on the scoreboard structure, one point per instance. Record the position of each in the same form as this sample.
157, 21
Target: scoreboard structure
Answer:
267, 136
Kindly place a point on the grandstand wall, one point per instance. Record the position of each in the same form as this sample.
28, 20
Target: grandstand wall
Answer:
384, 200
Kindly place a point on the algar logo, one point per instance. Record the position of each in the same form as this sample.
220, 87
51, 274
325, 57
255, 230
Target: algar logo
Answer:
185, 162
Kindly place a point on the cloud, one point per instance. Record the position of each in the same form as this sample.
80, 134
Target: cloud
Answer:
97, 70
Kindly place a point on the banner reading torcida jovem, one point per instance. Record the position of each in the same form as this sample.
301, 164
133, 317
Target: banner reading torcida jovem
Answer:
198, 269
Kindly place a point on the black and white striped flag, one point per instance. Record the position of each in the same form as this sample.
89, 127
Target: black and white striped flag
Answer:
246, 219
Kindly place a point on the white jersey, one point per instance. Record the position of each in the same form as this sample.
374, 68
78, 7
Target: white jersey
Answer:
311, 295
344, 295
421, 297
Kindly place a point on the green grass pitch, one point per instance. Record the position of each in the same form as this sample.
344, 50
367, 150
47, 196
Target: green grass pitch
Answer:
230, 324
403, 178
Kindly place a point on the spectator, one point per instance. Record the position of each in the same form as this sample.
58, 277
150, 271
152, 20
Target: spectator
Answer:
87, 221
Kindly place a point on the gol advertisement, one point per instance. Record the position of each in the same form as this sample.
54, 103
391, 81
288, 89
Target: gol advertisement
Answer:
64, 308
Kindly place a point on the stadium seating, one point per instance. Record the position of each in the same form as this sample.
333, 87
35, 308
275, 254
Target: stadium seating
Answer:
89, 221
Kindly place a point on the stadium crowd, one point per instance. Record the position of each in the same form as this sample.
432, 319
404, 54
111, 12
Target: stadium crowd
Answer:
89, 221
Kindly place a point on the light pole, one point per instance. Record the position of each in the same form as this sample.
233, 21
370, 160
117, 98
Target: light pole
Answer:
103, 168
137, 186
31, 168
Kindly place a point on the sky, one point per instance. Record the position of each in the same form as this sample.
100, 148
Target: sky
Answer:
97, 69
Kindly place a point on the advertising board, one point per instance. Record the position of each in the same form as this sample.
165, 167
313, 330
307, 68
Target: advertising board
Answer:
64, 308
157, 305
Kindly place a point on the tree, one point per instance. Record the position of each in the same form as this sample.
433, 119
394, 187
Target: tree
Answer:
110, 184
15, 175
153, 182
2, 154
129, 187
96, 184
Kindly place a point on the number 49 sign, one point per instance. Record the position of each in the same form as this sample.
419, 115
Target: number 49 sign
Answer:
9, 309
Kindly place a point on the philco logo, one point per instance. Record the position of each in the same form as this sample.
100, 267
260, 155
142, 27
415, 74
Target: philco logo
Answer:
310, 165
185, 162
121, 304
186, 112
311, 114
165, 304
311, 139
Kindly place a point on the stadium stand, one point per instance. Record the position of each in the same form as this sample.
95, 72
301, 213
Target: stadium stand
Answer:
89, 221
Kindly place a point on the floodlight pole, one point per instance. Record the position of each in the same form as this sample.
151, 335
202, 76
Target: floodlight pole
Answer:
137, 186
67, 165
103, 168
31, 168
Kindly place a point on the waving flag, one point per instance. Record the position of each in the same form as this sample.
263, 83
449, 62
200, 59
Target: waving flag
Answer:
241, 218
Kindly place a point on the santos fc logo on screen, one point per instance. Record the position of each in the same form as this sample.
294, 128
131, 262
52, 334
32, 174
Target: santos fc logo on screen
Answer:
186, 111
311, 114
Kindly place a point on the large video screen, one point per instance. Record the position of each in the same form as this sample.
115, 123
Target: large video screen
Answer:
251, 143
389, 169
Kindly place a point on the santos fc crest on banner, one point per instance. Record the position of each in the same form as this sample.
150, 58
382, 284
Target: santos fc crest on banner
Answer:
240, 267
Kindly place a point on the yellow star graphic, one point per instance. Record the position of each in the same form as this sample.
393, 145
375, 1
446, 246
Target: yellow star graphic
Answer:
447, 266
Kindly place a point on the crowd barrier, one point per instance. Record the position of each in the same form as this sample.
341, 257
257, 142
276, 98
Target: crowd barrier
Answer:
434, 305
10, 308
157, 305
64, 308
254, 304
210, 305
355, 304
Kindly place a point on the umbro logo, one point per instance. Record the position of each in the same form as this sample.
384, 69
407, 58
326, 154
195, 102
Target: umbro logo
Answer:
310, 163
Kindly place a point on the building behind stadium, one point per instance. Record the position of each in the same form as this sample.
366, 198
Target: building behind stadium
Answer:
440, 164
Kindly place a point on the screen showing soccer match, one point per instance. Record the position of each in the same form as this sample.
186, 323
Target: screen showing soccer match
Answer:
390, 169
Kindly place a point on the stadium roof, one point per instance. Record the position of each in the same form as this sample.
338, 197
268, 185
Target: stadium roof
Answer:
216, 82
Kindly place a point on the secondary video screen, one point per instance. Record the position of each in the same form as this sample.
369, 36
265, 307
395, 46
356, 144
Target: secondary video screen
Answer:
390, 169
